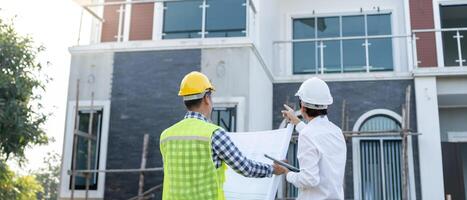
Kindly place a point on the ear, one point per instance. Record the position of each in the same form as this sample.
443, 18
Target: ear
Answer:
206, 100
303, 111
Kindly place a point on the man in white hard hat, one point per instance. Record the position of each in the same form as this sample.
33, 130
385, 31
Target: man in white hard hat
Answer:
321, 145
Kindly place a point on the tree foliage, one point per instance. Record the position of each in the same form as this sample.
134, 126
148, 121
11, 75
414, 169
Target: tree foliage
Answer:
20, 80
16, 187
48, 176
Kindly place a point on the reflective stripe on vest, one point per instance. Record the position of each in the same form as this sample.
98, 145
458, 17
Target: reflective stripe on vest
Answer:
189, 172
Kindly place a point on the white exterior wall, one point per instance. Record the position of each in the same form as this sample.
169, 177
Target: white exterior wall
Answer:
431, 167
224, 66
269, 31
260, 101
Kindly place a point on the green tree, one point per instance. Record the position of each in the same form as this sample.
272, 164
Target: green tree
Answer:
48, 176
20, 81
20, 117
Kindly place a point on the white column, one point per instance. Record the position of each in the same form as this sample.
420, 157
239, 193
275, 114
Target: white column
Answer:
431, 166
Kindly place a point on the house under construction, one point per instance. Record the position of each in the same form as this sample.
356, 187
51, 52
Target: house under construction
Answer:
132, 55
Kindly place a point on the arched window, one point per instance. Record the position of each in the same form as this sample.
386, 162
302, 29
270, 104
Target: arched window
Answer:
377, 160
380, 123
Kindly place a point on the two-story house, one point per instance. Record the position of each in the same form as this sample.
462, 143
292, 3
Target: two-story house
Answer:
132, 56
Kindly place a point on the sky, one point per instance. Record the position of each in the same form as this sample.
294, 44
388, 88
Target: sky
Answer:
55, 25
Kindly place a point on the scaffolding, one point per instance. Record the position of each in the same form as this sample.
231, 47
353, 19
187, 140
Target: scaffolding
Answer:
404, 134
88, 172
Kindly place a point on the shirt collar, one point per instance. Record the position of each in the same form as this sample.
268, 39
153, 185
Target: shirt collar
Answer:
196, 115
319, 118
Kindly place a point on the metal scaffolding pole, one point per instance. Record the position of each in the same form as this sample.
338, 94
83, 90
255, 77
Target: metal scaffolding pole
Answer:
75, 141
405, 133
89, 153
143, 166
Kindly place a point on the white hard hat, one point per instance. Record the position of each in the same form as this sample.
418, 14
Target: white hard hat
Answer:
315, 94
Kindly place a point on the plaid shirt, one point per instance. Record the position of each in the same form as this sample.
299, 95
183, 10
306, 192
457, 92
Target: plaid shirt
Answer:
223, 149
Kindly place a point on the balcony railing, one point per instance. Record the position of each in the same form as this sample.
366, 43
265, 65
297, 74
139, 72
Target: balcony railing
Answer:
340, 55
445, 47
365, 54
122, 21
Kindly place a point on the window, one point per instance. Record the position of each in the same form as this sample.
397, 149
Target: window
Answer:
454, 16
225, 117
183, 19
223, 18
339, 54
82, 147
380, 161
226, 18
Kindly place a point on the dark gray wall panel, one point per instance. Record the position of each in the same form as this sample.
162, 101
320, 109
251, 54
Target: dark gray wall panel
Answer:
144, 100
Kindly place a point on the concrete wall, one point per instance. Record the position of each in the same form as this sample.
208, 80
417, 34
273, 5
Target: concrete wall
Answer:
431, 174
228, 69
89, 67
361, 97
144, 100
237, 74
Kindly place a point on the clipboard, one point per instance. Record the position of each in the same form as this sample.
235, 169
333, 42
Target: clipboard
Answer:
286, 165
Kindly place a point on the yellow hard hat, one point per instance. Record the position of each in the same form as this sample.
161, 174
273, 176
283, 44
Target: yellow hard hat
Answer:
194, 85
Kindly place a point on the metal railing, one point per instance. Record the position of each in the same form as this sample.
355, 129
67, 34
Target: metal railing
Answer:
445, 47
92, 15
442, 40
286, 54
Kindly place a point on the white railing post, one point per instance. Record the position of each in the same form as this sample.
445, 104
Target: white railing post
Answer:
458, 37
120, 22
80, 25
367, 54
414, 50
204, 6
321, 56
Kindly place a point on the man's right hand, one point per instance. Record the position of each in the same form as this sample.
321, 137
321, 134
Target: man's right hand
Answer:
289, 115
279, 169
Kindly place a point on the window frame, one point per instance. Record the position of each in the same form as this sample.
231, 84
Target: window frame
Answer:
437, 24
239, 103
356, 150
233, 116
86, 111
64, 187
161, 8
395, 44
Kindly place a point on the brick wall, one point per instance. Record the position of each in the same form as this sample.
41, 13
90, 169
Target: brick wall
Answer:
141, 22
110, 25
421, 15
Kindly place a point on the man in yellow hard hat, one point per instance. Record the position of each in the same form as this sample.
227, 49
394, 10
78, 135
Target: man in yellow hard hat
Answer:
195, 151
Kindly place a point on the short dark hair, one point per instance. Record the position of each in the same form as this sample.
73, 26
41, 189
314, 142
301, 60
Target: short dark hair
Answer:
195, 103
191, 104
315, 113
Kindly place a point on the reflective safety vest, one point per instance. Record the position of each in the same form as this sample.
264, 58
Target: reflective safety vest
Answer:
189, 171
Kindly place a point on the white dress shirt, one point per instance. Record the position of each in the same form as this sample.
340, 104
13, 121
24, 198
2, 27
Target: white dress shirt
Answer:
321, 156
